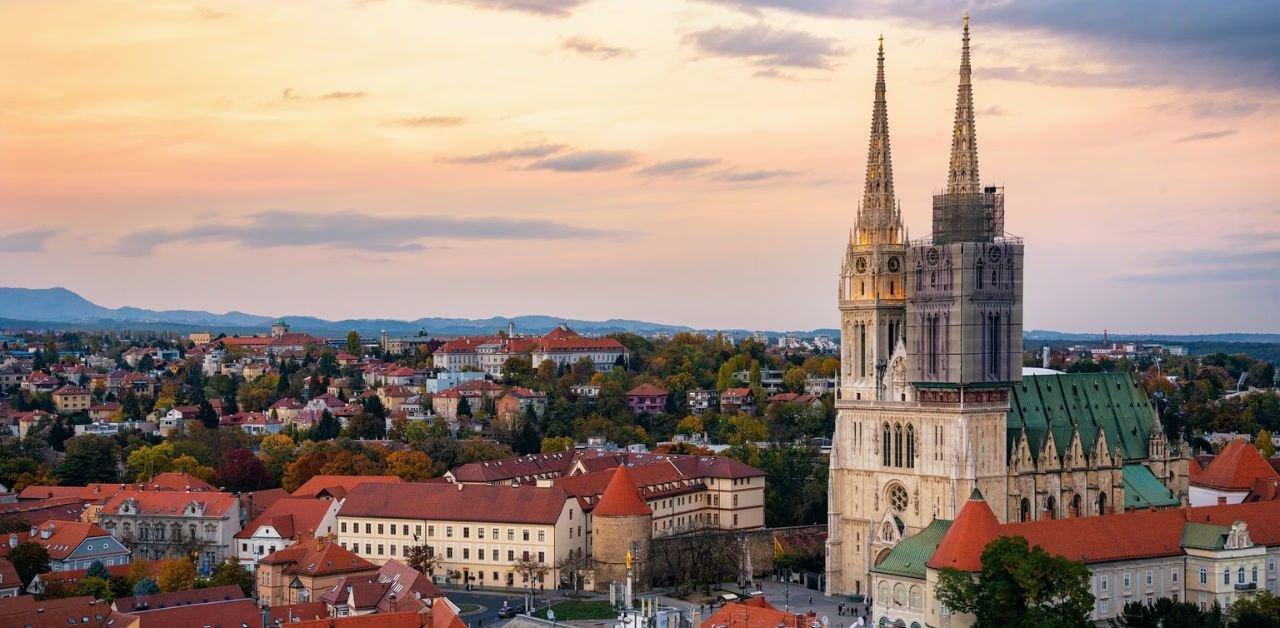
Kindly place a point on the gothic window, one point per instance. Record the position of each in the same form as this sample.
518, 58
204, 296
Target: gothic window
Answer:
978, 274
932, 340
1075, 506
886, 533
1024, 510
897, 445
1102, 503
884, 442
898, 498
1051, 507
911, 446
892, 288
862, 346
933, 279
919, 278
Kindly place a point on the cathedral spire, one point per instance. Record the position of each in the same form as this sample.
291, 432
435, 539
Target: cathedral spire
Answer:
878, 219
963, 176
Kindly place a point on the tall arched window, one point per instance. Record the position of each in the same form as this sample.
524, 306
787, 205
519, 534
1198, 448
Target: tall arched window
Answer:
1024, 510
897, 445
884, 442
978, 274
1102, 503
862, 345
1076, 506
911, 446
1051, 507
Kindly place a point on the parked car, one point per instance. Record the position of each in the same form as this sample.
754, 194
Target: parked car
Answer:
507, 612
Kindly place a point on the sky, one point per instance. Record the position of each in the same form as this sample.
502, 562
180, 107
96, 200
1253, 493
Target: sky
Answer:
693, 162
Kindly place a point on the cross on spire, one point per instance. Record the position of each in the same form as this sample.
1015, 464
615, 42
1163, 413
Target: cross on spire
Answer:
963, 175
878, 219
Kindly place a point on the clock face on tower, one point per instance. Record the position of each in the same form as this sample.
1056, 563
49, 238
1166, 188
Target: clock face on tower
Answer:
932, 257
861, 265
994, 253
894, 264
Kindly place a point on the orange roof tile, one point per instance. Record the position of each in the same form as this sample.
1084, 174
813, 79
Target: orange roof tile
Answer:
291, 517
975, 526
1235, 468
620, 498
755, 613
320, 483
317, 557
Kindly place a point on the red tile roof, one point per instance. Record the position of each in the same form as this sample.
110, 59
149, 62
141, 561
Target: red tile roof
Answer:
82, 612
225, 613
290, 518
8, 575
171, 502
322, 483
457, 502
407, 619
620, 499
646, 390
975, 526
1235, 468
63, 537
151, 603
317, 557
293, 613
755, 613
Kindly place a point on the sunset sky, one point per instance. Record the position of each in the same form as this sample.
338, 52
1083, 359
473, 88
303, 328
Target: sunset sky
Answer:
692, 162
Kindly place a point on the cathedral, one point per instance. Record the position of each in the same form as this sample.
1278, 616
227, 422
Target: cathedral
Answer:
933, 403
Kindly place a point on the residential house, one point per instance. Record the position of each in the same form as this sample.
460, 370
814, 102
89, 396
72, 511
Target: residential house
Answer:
819, 386
41, 383
446, 403
587, 392
478, 531
254, 423
164, 524
282, 524
73, 544
735, 400
519, 402
286, 409
306, 570
104, 411
646, 398
10, 585
395, 586
176, 419
81, 611
1231, 475
702, 400
71, 399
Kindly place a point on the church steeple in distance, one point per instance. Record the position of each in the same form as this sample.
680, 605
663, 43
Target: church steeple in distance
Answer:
963, 177
879, 221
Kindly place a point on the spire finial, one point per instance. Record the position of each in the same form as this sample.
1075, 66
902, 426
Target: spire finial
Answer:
878, 220
963, 176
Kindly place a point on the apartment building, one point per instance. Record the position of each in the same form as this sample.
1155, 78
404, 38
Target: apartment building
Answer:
168, 524
479, 532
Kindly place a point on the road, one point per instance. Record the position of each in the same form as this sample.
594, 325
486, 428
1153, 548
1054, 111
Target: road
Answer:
491, 603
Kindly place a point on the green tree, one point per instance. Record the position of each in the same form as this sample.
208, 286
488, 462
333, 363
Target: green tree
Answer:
232, 572
794, 379
1259, 610
277, 451
146, 586
28, 559
552, 444
690, 425
89, 459
1166, 612
1020, 586
148, 461
354, 347
97, 570
366, 426
464, 407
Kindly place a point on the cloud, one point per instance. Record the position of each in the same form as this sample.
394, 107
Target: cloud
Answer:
290, 93
586, 161
993, 110
205, 13
351, 231
29, 240
1207, 135
1227, 42
1232, 109
549, 8
508, 154
752, 176
1223, 265
677, 167
767, 47
594, 48
428, 121
1063, 78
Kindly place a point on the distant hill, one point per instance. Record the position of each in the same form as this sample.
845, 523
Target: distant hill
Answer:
62, 308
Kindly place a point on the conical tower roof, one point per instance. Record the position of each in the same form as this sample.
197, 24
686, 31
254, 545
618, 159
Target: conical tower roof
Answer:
878, 219
963, 175
973, 528
620, 498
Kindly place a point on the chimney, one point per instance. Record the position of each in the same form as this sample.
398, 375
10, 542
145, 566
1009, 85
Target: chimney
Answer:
13, 540
459, 487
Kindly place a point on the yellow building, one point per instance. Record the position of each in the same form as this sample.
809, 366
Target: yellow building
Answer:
72, 399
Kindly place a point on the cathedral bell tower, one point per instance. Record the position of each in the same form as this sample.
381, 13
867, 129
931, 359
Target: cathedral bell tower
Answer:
873, 296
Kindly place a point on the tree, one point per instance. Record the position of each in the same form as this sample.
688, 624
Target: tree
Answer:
208, 417
146, 586
242, 471
99, 588
97, 570
354, 346
1256, 611
422, 558
149, 461
177, 574
552, 444
297, 473
1020, 586
366, 426
139, 570
1166, 612
410, 466
464, 407
690, 425
29, 558
277, 451
1266, 446
570, 568
232, 572
794, 379
530, 569
527, 441
89, 459
327, 428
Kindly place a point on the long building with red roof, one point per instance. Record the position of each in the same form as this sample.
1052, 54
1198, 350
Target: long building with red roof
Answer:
1206, 555
167, 524
561, 346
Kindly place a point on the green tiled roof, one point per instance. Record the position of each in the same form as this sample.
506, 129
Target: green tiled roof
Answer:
1109, 404
1142, 488
908, 557
1204, 536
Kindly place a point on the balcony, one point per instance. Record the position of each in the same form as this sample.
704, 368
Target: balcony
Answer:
1246, 586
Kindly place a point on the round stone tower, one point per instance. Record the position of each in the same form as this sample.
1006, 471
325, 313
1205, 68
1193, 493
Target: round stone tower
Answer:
621, 524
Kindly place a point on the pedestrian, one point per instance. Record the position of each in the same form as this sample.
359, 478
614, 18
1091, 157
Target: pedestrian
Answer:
810, 600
